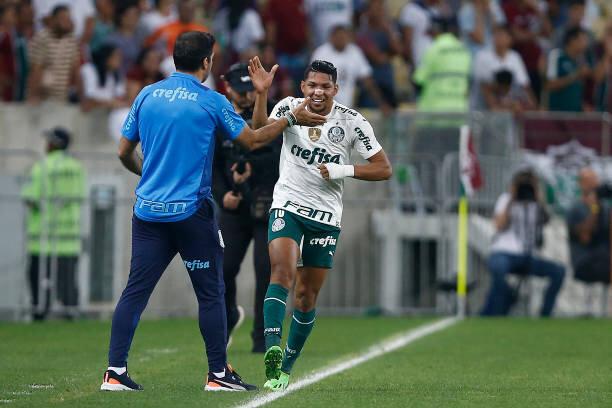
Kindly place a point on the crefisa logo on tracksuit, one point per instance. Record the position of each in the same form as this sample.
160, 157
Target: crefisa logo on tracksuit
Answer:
196, 264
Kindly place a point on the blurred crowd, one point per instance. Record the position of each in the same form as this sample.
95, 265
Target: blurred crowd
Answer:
443, 55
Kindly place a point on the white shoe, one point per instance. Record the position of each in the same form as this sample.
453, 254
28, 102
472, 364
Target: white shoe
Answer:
237, 325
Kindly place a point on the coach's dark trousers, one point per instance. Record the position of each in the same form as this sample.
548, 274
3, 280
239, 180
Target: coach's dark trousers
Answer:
154, 244
238, 231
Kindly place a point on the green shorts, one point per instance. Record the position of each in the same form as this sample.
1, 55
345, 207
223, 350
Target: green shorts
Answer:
316, 240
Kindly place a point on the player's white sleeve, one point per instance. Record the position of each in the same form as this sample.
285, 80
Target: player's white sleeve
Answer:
280, 108
364, 140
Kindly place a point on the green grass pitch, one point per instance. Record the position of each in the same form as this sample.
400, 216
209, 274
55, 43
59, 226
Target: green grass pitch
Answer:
476, 363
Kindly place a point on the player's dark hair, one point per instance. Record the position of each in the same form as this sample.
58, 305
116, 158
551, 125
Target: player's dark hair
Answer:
324, 67
58, 9
571, 35
191, 48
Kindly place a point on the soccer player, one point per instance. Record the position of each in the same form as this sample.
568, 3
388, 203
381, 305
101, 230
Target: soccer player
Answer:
176, 121
307, 204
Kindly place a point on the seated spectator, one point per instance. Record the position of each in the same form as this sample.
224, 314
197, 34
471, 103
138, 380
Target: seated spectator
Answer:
168, 33
8, 58
477, 19
444, 72
519, 219
415, 21
352, 66
603, 72
103, 23
567, 72
146, 72
492, 60
505, 95
589, 230
102, 83
380, 42
125, 37
287, 32
163, 13
238, 28
54, 60
324, 15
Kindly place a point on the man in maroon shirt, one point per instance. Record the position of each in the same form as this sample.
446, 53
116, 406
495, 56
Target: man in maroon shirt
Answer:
526, 24
287, 32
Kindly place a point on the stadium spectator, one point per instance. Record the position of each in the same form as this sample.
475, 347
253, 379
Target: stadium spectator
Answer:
380, 42
243, 183
352, 66
444, 72
168, 33
505, 95
489, 61
589, 230
477, 19
103, 86
145, 72
287, 31
239, 29
527, 23
103, 23
603, 72
575, 16
54, 197
81, 11
283, 84
324, 15
25, 19
163, 13
126, 37
414, 21
567, 72
519, 219
54, 60
8, 57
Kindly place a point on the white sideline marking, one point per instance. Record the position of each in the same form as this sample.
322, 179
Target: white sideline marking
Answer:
386, 346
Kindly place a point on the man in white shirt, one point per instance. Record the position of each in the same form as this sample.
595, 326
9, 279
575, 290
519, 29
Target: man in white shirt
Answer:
326, 14
352, 66
415, 20
491, 60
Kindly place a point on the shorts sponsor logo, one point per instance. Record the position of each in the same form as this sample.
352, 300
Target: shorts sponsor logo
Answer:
336, 134
196, 264
323, 242
172, 94
278, 225
363, 138
177, 207
309, 212
316, 155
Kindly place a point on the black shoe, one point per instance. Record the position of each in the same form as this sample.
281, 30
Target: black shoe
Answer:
230, 382
115, 382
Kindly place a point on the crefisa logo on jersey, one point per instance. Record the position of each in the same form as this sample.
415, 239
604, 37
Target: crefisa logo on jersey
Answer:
278, 225
336, 134
314, 134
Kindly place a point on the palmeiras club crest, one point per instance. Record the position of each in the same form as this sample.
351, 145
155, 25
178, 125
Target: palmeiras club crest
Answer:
335, 134
314, 134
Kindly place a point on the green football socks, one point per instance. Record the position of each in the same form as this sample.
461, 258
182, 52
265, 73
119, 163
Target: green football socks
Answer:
274, 307
301, 326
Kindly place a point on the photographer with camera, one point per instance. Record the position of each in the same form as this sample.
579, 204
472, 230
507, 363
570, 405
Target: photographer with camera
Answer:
520, 216
243, 183
589, 229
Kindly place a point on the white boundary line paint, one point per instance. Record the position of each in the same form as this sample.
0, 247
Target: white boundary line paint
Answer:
386, 346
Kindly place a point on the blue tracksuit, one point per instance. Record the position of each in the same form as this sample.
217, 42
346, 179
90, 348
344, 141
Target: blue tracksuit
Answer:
176, 121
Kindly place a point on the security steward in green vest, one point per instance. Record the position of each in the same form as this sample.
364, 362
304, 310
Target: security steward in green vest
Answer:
54, 196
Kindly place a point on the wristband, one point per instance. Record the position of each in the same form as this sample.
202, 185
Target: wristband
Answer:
340, 171
291, 118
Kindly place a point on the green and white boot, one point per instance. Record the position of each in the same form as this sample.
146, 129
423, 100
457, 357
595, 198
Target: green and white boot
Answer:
278, 384
273, 360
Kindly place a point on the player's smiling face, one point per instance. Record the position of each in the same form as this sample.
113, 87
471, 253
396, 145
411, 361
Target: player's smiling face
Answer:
321, 89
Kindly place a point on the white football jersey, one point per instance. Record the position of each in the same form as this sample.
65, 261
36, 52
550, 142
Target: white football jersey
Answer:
300, 188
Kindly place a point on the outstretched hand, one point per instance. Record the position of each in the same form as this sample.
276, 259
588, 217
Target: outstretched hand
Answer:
262, 79
306, 118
